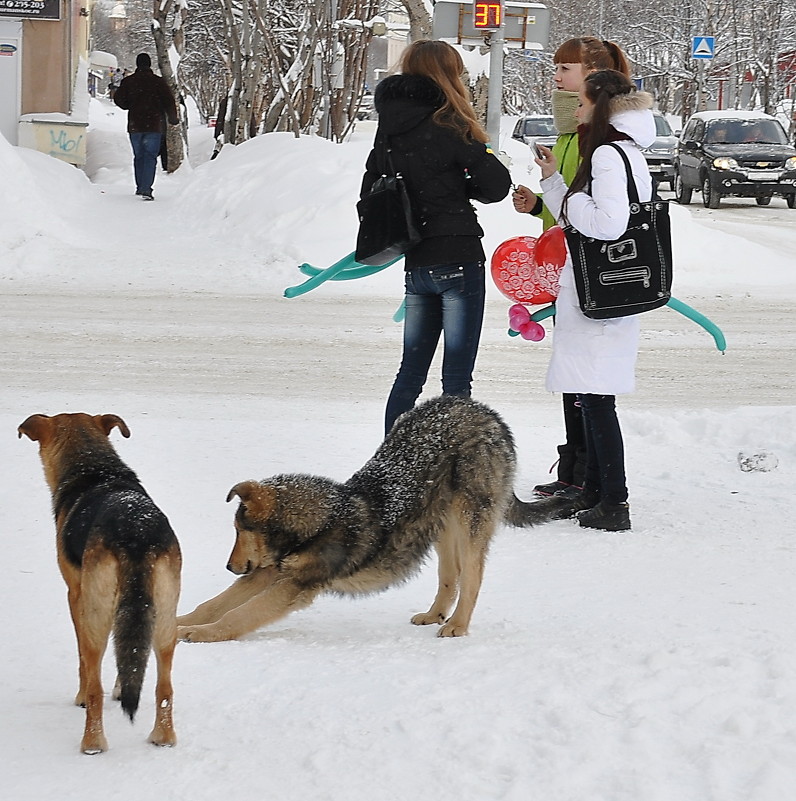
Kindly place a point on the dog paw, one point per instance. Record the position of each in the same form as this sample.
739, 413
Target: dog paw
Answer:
452, 630
94, 744
163, 738
427, 618
191, 634
204, 633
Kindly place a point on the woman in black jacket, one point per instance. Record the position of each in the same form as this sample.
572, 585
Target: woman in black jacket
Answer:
435, 142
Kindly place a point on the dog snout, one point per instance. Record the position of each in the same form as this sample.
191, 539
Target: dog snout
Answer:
238, 571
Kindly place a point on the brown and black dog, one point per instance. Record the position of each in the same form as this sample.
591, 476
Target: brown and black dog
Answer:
121, 562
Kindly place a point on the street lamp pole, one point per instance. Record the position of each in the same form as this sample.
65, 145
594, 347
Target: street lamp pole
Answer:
494, 96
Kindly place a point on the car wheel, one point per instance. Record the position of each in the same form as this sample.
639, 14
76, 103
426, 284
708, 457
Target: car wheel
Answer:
791, 201
763, 200
682, 193
710, 197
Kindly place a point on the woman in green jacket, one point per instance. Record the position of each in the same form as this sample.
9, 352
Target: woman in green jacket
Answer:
574, 60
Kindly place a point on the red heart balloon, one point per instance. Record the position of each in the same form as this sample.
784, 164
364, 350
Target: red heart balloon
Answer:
518, 276
551, 248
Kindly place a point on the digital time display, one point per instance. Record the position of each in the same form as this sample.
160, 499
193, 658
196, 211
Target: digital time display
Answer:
487, 16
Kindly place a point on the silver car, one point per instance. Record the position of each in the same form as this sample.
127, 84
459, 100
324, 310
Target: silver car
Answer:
660, 154
536, 128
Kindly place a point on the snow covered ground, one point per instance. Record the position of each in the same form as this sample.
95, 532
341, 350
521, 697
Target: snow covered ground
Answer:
652, 665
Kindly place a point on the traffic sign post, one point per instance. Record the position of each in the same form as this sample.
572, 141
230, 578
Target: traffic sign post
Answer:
500, 24
703, 47
465, 22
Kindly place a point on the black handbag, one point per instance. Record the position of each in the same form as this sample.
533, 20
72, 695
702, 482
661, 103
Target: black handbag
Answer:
386, 225
629, 275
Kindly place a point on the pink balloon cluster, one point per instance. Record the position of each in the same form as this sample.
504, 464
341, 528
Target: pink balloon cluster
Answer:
521, 322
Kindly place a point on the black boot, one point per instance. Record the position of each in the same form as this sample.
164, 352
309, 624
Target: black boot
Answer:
580, 501
606, 517
571, 463
553, 488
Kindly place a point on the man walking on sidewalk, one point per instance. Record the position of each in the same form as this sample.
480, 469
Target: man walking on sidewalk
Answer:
149, 102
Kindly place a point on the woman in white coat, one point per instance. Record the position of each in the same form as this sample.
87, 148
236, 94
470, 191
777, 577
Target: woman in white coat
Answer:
596, 359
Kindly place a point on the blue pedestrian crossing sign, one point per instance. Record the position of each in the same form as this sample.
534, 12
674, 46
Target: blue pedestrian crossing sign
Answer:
703, 47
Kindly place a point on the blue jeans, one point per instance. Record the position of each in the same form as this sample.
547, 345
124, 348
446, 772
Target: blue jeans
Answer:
445, 298
605, 452
146, 149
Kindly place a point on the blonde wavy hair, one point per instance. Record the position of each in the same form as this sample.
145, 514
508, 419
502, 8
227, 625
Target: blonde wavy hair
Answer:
442, 64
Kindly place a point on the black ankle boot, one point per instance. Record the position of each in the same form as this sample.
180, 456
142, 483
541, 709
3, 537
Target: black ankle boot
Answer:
580, 501
606, 517
546, 490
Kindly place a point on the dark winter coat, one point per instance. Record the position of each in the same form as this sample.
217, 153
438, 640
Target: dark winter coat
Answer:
148, 100
442, 171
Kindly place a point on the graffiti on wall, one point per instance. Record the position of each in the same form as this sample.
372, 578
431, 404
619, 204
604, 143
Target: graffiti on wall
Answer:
65, 141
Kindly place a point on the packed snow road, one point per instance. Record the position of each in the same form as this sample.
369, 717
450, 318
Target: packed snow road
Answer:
772, 225
209, 345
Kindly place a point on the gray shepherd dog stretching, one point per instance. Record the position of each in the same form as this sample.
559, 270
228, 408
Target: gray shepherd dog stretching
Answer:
443, 477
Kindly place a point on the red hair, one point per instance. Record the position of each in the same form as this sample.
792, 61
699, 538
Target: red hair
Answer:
593, 53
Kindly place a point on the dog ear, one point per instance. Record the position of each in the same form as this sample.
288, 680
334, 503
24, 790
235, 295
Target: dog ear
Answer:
35, 427
259, 500
107, 422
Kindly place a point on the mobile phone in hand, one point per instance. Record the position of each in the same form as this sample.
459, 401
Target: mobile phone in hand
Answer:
538, 151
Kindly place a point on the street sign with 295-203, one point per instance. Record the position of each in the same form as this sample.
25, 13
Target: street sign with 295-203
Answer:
30, 9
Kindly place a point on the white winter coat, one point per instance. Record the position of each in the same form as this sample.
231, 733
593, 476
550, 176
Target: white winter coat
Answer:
599, 356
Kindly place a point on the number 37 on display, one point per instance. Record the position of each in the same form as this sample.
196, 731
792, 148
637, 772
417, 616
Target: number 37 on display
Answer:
487, 15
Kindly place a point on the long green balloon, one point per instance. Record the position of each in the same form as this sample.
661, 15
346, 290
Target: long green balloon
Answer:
349, 269
347, 274
700, 319
346, 269
677, 305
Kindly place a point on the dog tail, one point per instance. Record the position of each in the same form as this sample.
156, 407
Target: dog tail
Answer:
132, 632
525, 514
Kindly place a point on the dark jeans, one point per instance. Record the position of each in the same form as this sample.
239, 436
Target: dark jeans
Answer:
146, 149
445, 298
605, 452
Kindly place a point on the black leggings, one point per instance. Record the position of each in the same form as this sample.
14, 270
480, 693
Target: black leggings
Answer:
605, 452
572, 454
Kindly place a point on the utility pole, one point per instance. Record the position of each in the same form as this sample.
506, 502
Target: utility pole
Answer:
488, 18
494, 95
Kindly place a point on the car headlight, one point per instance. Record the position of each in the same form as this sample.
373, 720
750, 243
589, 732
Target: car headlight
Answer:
790, 164
725, 163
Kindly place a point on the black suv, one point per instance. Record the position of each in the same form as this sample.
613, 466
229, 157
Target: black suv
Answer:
734, 153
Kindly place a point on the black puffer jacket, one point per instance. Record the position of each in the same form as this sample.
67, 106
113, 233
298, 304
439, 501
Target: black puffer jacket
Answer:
442, 171
148, 99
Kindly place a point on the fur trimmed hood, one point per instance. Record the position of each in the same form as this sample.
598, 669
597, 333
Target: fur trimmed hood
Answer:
404, 101
632, 115
632, 101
